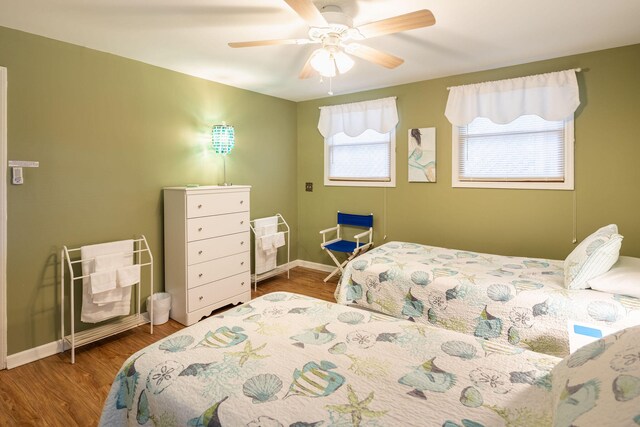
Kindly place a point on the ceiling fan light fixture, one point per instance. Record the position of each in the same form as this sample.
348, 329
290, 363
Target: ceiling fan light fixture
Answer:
343, 62
323, 62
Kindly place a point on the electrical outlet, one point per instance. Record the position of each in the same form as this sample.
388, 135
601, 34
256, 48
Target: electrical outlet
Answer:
308, 186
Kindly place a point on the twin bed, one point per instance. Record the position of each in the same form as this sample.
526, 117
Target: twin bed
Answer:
455, 350
517, 301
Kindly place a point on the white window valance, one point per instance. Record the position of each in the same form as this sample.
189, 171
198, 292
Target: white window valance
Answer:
552, 96
353, 119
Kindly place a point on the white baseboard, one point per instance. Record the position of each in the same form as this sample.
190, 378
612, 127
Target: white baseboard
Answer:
46, 350
314, 265
33, 354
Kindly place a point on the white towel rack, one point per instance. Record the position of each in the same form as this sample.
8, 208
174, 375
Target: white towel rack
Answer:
282, 227
124, 323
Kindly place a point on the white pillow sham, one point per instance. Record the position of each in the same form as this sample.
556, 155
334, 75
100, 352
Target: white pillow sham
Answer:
592, 257
622, 279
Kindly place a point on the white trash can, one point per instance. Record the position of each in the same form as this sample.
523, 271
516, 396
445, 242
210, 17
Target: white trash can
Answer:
161, 307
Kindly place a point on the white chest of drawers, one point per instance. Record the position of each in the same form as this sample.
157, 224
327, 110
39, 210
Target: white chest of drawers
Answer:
206, 249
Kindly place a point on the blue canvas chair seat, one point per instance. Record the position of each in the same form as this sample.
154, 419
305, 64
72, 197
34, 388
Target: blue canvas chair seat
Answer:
352, 249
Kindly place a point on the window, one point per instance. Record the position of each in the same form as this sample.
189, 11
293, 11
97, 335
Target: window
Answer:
514, 133
364, 160
529, 152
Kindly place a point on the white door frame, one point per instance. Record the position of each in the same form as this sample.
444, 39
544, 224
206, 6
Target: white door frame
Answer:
3, 218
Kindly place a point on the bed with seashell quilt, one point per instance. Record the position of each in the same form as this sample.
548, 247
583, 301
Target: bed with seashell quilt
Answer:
289, 360
509, 300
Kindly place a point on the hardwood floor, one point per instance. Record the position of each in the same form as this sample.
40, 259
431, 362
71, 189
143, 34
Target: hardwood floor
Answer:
52, 392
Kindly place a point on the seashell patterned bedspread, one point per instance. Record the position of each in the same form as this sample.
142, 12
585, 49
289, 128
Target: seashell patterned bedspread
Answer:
509, 300
288, 360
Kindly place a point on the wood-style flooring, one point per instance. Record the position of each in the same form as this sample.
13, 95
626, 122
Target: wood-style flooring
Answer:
52, 392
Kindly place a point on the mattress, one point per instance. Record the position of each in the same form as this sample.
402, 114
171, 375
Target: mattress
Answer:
509, 300
289, 360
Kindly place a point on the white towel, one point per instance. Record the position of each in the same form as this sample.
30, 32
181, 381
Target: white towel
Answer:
91, 311
128, 276
272, 242
265, 260
103, 281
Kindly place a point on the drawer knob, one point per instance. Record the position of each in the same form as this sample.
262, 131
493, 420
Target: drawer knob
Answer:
241, 201
200, 229
199, 206
200, 275
241, 222
242, 263
242, 243
201, 298
199, 252
242, 284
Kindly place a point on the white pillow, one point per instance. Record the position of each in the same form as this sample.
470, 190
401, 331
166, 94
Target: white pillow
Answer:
623, 278
592, 257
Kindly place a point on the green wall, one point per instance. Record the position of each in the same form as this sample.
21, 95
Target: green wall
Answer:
512, 222
109, 133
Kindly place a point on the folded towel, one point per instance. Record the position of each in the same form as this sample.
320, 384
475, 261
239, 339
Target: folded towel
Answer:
108, 262
103, 281
113, 296
128, 276
272, 242
278, 241
265, 260
93, 312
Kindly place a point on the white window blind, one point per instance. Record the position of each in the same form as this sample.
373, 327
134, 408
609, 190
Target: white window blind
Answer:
366, 157
529, 149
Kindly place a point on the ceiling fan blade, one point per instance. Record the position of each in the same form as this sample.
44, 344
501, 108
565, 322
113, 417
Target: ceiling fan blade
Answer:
309, 12
307, 70
373, 55
269, 42
409, 21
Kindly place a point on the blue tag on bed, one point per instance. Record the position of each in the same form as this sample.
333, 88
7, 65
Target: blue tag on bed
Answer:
590, 332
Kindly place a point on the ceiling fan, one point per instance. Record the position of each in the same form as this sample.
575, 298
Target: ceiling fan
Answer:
334, 29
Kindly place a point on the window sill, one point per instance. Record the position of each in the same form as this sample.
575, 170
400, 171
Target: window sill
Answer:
514, 185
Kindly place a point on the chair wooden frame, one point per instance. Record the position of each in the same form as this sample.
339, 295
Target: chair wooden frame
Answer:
363, 221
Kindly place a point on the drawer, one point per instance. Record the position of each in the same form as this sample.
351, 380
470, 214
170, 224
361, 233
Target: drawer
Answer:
206, 272
216, 204
218, 225
217, 247
213, 292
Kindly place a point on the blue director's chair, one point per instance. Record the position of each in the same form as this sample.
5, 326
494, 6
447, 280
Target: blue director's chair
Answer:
353, 249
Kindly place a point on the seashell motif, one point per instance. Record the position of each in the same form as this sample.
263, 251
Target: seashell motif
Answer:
262, 388
459, 349
513, 336
410, 246
588, 352
526, 285
420, 278
339, 348
490, 379
351, 317
499, 292
541, 308
359, 264
443, 272
513, 266
163, 375
626, 360
471, 397
626, 387
240, 310
604, 311
593, 246
464, 254
276, 296
381, 260
177, 344
534, 263
445, 256
500, 273
390, 274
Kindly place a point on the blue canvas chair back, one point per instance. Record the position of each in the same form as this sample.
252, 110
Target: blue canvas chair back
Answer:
355, 220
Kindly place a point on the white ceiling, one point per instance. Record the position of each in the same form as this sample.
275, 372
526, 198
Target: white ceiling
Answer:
191, 36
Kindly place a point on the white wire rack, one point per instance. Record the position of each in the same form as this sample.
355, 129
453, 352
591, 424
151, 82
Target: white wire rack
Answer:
282, 227
124, 323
